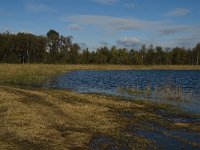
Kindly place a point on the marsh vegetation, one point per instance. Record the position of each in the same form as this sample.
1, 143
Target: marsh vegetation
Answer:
164, 93
36, 74
33, 117
177, 87
58, 119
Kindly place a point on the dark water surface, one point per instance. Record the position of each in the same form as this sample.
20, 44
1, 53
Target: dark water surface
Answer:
109, 82
118, 83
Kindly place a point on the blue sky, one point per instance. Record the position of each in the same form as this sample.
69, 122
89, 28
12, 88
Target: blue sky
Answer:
94, 23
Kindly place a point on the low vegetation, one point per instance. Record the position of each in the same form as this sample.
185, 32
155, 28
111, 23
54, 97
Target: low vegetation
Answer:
36, 74
57, 119
37, 118
162, 93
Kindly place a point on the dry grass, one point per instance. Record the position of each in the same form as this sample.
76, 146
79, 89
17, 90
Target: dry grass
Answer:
44, 119
12, 74
59, 119
35, 74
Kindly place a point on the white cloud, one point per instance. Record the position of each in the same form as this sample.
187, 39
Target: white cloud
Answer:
172, 29
130, 5
110, 23
105, 2
158, 31
128, 42
39, 8
75, 27
178, 12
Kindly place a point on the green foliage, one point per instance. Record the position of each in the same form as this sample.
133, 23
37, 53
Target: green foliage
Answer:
55, 48
196, 54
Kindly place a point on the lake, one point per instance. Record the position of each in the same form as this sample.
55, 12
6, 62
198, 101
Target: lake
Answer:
177, 87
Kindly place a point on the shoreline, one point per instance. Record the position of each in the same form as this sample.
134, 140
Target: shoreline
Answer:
37, 74
29, 74
111, 66
37, 118
53, 119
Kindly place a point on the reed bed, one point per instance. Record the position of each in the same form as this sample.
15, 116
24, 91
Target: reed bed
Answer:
36, 74
59, 119
165, 92
27, 74
40, 119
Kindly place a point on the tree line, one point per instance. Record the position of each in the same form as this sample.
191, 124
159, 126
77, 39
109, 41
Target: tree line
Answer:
55, 48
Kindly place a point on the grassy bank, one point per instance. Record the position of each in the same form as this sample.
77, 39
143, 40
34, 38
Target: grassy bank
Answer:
30, 74
36, 118
58, 119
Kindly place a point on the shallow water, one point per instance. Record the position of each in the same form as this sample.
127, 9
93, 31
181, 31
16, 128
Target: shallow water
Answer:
109, 82
170, 140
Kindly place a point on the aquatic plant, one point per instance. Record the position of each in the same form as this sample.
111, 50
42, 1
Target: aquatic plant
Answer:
130, 91
173, 92
164, 92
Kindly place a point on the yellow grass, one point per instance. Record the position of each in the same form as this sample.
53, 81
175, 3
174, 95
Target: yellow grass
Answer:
59, 119
48, 119
30, 74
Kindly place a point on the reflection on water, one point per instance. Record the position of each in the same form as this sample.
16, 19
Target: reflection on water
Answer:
109, 82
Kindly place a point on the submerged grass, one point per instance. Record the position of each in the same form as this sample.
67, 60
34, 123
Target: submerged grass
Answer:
58, 119
162, 93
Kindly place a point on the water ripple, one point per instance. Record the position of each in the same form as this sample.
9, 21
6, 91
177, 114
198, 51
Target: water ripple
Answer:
108, 82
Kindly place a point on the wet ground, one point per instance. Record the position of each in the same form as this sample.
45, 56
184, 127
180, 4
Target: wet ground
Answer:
60, 119
155, 129
165, 86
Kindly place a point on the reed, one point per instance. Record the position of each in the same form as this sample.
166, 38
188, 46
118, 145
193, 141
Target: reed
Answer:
27, 74
130, 91
165, 92
36, 74
59, 119
173, 92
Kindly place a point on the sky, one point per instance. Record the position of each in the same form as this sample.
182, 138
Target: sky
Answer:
95, 23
